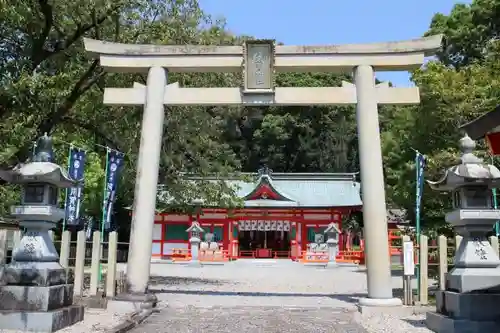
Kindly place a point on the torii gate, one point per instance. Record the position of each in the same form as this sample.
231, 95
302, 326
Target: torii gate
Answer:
259, 60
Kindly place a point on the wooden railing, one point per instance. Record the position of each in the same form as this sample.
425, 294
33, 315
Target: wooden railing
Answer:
245, 254
282, 254
434, 261
213, 256
95, 258
314, 257
181, 255
356, 257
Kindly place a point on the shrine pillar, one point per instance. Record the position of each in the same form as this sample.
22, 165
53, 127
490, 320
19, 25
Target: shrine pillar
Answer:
372, 178
139, 258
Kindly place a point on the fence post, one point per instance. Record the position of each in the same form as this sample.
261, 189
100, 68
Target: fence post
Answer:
458, 240
3, 246
443, 261
64, 252
494, 243
96, 260
424, 270
80, 263
111, 272
16, 240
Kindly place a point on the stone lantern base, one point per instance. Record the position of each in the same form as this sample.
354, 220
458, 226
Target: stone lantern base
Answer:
457, 313
470, 301
36, 295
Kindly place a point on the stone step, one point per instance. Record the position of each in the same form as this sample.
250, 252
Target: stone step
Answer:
39, 321
31, 298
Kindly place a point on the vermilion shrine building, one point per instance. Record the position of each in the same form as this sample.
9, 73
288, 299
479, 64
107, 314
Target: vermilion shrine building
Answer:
281, 214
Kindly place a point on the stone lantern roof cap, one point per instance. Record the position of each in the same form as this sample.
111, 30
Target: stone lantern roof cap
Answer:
38, 172
472, 171
195, 227
41, 169
332, 227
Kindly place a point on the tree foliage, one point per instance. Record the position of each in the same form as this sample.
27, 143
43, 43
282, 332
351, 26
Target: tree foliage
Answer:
458, 86
48, 84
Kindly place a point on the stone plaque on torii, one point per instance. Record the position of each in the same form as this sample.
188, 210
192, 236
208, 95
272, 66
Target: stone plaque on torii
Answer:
259, 60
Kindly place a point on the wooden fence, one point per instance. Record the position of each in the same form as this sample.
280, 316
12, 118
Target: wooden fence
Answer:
82, 259
434, 261
99, 259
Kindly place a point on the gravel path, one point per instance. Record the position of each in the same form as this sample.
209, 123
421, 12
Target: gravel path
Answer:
250, 320
285, 297
257, 297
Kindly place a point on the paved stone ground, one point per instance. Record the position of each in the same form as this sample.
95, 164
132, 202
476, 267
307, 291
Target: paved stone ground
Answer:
255, 297
261, 297
250, 320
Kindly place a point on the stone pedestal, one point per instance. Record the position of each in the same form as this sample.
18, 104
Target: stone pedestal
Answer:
472, 294
35, 294
332, 252
470, 302
195, 248
195, 251
456, 312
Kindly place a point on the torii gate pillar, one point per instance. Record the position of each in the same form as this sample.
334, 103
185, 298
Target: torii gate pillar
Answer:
146, 183
259, 60
373, 189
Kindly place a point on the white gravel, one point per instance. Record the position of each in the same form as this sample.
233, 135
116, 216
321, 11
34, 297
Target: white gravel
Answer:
250, 284
95, 320
285, 285
393, 323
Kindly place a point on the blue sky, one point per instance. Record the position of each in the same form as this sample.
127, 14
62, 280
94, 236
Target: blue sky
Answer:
314, 22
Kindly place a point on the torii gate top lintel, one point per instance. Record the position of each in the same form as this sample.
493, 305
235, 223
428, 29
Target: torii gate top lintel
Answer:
426, 44
259, 61
393, 56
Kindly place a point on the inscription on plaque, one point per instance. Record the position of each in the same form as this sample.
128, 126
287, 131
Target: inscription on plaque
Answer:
479, 249
259, 69
31, 242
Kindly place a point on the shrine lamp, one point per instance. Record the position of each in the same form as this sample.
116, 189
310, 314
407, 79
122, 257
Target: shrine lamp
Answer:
488, 127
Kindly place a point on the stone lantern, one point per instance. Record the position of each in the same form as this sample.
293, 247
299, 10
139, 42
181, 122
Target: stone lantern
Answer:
34, 292
332, 232
470, 300
195, 229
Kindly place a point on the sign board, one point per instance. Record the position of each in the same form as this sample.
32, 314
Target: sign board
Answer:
408, 258
259, 66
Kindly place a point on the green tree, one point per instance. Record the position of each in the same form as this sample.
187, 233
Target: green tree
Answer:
468, 30
49, 84
297, 139
459, 86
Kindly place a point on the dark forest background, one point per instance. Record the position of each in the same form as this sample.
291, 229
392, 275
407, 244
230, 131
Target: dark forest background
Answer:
48, 84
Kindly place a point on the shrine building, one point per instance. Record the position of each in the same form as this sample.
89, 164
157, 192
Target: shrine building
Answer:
280, 215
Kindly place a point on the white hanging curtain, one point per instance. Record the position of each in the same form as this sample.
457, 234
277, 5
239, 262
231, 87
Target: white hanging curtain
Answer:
260, 225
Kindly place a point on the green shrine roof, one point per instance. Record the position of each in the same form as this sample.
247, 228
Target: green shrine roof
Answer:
300, 190
268, 189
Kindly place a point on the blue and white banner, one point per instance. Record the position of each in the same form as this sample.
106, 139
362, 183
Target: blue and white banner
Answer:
115, 163
89, 227
74, 194
420, 163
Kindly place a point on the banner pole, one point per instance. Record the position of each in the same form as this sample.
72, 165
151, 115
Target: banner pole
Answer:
417, 217
104, 206
495, 205
66, 191
34, 150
